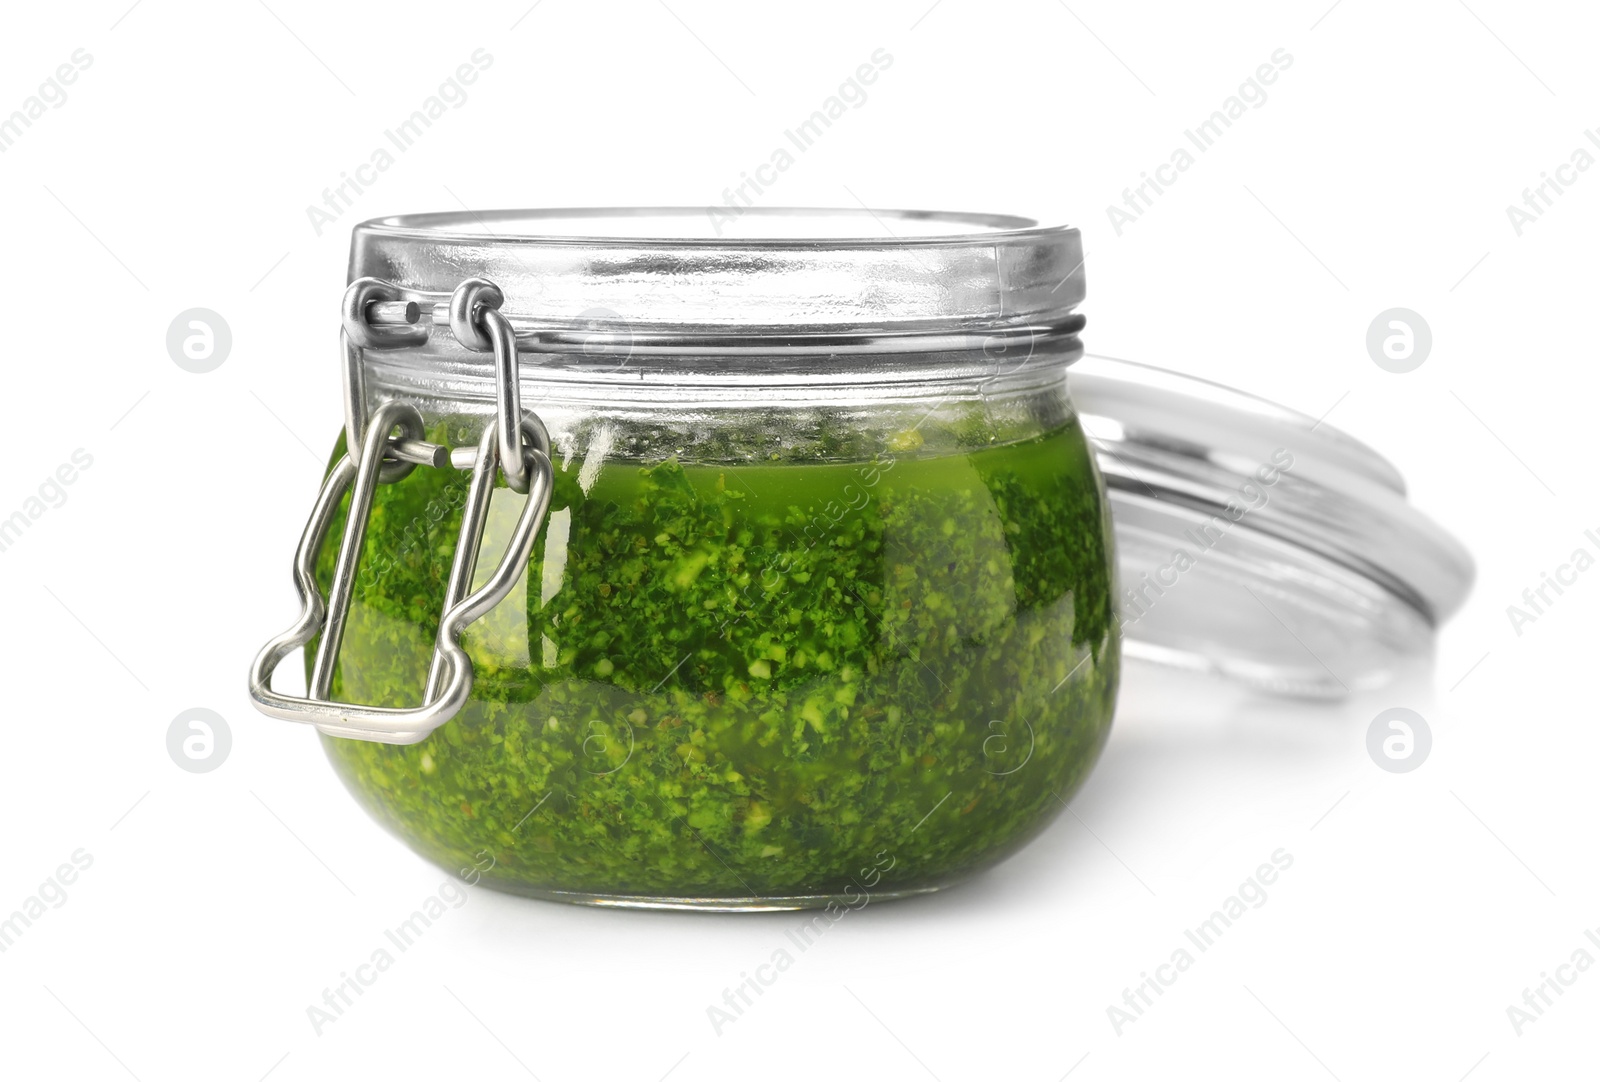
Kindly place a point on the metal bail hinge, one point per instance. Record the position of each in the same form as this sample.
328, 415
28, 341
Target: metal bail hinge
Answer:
514, 443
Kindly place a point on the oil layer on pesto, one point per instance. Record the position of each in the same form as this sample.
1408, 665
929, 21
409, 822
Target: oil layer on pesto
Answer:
747, 682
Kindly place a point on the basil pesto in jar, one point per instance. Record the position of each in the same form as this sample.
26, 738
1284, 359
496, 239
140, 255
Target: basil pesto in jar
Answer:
820, 603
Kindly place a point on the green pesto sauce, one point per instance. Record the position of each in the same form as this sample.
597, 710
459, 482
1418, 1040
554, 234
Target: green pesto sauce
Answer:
736, 682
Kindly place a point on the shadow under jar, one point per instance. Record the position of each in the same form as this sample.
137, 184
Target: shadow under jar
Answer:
822, 607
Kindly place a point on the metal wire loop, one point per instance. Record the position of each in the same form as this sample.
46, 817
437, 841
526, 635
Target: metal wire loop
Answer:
538, 435
363, 293
478, 324
467, 304
357, 333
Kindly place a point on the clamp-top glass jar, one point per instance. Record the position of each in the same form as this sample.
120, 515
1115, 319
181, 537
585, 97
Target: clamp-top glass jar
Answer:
801, 575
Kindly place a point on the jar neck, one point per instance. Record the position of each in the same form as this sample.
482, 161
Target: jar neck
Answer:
752, 408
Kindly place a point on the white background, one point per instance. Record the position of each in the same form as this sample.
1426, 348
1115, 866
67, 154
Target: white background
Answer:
1377, 174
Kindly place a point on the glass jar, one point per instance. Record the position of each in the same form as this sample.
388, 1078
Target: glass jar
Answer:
821, 606
673, 561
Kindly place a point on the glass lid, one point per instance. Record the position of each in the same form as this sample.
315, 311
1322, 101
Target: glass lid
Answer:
1258, 544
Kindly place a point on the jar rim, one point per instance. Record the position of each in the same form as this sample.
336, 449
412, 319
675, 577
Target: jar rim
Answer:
697, 274
784, 226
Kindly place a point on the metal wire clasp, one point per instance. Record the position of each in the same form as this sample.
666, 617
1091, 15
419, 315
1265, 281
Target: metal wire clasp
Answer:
377, 454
